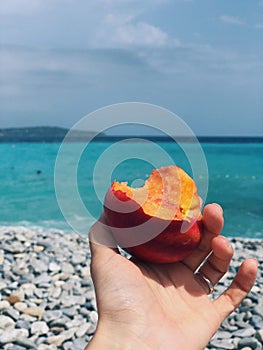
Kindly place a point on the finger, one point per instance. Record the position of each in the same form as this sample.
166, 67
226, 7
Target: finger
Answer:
218, 262
213, 223
238, 290
102, 243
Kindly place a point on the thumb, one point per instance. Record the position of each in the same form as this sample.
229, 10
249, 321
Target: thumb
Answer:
101, 241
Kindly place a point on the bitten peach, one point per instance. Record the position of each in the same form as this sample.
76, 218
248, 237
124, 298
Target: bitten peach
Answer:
159, 222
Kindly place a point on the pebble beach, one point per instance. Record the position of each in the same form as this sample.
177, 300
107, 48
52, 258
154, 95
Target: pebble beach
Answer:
47, 299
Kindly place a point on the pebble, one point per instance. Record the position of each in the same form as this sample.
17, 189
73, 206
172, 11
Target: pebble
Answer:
259, 335
14, 314
20, 306
4, 304
223, 344
26, 343
51, 315
34, 311
246, 332
259, 310
14, 298
56, 340
12, 335
249, 342
67, 268
6, 322
79, 344
54, 267
3, 285
47, 300
39, 327
83, 329
78, 258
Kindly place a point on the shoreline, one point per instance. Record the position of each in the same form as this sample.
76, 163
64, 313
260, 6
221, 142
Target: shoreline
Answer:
47, 299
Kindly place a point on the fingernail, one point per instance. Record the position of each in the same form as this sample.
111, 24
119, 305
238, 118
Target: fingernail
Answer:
219, 207
226, 241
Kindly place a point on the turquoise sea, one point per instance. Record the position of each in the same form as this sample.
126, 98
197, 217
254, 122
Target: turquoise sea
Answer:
28, 193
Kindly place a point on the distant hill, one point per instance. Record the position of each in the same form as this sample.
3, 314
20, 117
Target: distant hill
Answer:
57, 134
42, 134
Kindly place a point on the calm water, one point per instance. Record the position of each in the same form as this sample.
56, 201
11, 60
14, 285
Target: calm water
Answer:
28, 197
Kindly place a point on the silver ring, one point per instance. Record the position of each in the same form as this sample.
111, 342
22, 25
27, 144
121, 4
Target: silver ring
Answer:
205, 282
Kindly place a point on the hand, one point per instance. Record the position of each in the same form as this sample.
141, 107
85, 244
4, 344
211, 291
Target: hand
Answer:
163, 306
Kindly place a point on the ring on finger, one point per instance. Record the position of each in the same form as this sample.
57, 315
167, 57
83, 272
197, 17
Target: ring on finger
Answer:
204, 281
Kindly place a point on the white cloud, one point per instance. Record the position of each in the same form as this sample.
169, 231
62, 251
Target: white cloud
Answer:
114, 23
140, 34
259, 26
202, 61
121, 29
232, 20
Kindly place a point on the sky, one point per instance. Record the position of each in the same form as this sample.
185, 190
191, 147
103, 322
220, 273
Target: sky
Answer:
201, 59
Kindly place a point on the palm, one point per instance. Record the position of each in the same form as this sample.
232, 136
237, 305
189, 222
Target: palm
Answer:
157, 295
163, 303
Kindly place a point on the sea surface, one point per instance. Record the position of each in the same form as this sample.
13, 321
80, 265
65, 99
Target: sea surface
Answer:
44, 185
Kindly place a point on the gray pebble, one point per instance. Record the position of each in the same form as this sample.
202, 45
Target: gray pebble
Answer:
13, 347
15, 247
23, 324
55, 292
39, 266
26, 343
6, 322
250, 342
70, 311
12, 335
54, 267
60, 322
42, 279
51, 315
222, 344
259, 335
39, 327
79, 344
258, 309
68, 345
257, 321
93, 316
78, 258
246, 332
67, 268
14, 314
4, 304
223, 335
83, 329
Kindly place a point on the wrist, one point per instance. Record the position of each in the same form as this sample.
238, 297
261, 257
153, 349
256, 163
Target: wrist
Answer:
115, 337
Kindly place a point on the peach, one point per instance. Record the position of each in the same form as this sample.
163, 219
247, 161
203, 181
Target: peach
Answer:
159, 222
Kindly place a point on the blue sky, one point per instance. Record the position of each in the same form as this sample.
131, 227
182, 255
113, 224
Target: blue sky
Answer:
201, 59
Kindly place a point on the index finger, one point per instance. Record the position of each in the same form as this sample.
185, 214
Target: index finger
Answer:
213, 223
